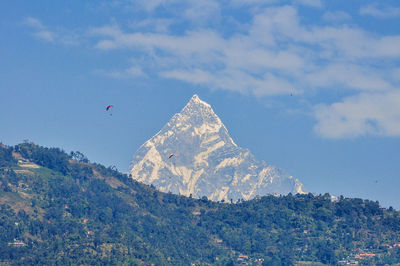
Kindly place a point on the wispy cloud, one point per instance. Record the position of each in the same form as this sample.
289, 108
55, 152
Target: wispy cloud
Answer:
380, 12
272, 53
150, 5
201, 11
41, 32
251, 2
34, 23
58, 35
275, 41
375, 114
336, 16
235, 80
161, 25
312, 3
349, 76
131, 72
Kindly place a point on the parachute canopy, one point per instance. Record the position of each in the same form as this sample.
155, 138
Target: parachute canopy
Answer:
109, 106
171, 155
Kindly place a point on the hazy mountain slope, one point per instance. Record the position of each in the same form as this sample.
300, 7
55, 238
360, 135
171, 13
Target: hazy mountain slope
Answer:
206, 161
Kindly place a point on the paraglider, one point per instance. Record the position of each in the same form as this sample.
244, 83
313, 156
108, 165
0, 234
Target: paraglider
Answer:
172, 155
174, 163
109, 107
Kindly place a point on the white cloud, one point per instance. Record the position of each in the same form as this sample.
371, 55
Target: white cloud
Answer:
150, 5
349, 76
350, 43
235, 65
336, 16
234, 80
374, 114
202, 11
196, 76
241, 3
282, 25
380, 12
59, 35
135, 71
160, 25
131, 72
395, 73
192, 42
34, 23
108, 31
312, 3
41, 31
273, 53
276, 47
189, 11
45, 35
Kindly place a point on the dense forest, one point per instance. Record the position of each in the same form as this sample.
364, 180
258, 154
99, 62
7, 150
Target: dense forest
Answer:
58, 208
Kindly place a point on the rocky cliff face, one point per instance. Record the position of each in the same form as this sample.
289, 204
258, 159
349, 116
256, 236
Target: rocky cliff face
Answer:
193, 154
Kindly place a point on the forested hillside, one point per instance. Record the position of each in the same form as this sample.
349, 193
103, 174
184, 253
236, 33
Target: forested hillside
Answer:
60, 208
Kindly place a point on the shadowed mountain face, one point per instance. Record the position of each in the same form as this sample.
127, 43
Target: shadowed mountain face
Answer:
193, 154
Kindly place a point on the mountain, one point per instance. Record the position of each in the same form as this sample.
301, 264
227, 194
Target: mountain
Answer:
60, 209
193, 154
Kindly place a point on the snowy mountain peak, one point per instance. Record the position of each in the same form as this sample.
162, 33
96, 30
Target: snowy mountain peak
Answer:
199, 119
193, 154
198, 110
196, 100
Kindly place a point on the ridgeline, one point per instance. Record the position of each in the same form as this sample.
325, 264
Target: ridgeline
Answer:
58, 208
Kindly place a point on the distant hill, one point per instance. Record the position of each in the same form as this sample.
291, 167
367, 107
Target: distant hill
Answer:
58, 208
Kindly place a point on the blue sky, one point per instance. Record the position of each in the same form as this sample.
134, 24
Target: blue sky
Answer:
310, 86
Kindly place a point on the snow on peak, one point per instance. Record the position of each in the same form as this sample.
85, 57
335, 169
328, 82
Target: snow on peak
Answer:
198, 108
196, 100
207, 162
